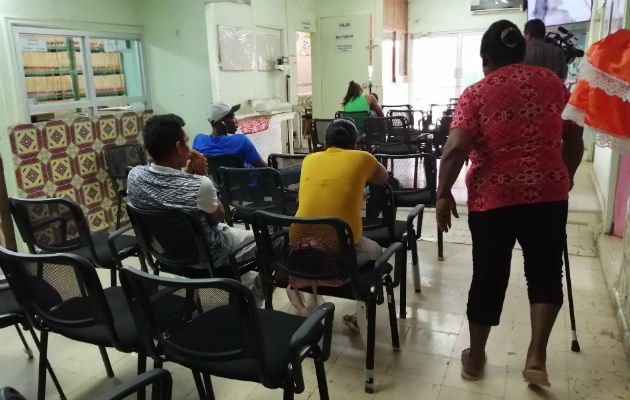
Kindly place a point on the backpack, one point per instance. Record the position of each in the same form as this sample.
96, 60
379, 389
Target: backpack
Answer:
310, 254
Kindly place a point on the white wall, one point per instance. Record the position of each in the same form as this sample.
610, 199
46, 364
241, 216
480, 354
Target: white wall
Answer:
177, 59
454, 15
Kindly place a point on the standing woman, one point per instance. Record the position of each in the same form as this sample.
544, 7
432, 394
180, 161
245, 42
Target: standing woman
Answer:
355, 100
523, 159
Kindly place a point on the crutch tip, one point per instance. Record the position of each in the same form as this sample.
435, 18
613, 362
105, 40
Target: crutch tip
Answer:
575, 346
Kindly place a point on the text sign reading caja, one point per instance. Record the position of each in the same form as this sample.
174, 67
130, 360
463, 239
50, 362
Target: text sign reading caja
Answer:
344, 25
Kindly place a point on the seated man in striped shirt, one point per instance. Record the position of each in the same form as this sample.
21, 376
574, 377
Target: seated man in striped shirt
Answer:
178, 179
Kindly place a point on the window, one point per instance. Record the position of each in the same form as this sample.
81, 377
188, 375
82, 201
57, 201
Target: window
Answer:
69, 73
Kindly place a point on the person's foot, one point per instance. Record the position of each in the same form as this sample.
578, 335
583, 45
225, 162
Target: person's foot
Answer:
472, 370
351, 322
536, 377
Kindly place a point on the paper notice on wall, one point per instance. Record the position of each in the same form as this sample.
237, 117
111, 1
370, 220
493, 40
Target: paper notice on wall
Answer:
121, 45
344, 48
33, 44
109, 46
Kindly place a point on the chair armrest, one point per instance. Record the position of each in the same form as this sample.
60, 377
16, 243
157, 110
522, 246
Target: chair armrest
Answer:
323, 313
111, 240
386, 255
418, 213
140, 382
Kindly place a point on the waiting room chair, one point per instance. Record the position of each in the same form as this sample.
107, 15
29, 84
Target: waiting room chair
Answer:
246, 190
159, 379
58, 225
318, 133
174, 241
441, 135
216, 329
380, 224
61, 293
274, 235
389, 135
423, 140
119, 159
290, 167
358, 117
416, 176
223, 160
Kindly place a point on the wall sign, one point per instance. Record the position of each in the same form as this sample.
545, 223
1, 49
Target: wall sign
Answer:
344, 37
33, 44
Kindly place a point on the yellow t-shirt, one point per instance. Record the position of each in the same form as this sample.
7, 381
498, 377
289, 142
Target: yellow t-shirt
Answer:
332, 184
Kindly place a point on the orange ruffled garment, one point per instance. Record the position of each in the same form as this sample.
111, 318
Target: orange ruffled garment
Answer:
601, 99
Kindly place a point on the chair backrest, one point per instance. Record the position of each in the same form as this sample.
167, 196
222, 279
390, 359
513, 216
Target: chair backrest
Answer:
223, 160
358, 117
54, 225
250, 189
59, 292
414, 173
195, 321
282, 161
277, 234
381, 131
402, 112
318, 133
444, 127
119, 158
380, 209
386, 108
172, 240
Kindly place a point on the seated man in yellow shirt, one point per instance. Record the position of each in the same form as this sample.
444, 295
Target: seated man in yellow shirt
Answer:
332, 184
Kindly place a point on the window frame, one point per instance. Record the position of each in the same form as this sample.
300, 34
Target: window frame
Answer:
91, 101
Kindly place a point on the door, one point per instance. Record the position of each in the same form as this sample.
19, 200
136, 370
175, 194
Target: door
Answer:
344, 55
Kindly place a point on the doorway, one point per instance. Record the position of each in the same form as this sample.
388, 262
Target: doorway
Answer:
303, 51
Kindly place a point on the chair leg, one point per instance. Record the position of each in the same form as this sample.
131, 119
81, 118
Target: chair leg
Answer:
142, 367
27, 349
207, 382
201, 390
268, 289
320, 372
288, 393
440, 245
391, 305
108, 365
402, 259
43, 354
415, 264
143, 263
369, 356
113, 274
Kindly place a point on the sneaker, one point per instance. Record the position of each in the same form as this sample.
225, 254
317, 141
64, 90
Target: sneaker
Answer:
351, 322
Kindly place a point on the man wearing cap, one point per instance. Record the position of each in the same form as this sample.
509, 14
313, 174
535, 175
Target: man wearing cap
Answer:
222, 140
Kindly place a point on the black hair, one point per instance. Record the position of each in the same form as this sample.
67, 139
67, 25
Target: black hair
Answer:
353, 91
161, 133
503, 44
341, 133
536, 28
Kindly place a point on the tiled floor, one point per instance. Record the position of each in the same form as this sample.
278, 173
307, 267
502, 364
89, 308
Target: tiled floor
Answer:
432, 338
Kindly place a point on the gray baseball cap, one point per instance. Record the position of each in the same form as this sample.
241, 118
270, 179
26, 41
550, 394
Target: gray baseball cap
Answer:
218, 110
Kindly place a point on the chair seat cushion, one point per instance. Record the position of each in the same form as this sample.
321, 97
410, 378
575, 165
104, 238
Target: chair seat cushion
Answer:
411, 198
381, 234
216, 331
395, 149
126, 246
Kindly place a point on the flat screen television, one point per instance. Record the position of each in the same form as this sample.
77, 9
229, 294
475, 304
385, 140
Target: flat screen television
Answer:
484, 6
559, 12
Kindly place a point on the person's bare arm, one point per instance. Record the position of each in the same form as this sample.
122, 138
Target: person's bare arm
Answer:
572, 149
259, 163
380, 176
371, 100
453, 158
218, 215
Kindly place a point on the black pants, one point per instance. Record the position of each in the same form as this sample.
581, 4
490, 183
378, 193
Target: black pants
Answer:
540, 230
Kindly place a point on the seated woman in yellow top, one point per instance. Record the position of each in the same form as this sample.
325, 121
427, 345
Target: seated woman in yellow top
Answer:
355, 100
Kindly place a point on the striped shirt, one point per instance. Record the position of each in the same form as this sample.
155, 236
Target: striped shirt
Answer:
163, 188
543, 54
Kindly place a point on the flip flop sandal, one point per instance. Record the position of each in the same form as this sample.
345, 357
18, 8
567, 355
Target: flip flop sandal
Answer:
468, 376
536, 377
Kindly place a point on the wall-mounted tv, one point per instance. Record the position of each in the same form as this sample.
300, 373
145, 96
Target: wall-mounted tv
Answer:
559, 12
484, 6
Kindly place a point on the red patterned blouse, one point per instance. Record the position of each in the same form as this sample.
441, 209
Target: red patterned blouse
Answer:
514, 115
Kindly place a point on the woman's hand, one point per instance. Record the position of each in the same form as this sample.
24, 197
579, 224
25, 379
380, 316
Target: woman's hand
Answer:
197, 164
443, 209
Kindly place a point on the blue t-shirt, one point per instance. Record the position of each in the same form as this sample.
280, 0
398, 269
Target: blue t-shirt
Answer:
238, 144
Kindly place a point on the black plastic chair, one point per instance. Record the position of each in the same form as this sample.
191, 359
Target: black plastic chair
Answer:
216, 329
389, 135
12, 314
416, 175
160, 379
441, 135
118, 160
423, 140
59, 226
358, 117
223, 160
380, 224
246, 190
274, 234
290, 167
61, 293
175, 241
318, 133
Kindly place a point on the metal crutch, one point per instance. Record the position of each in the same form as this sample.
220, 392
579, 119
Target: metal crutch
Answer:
575, 346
